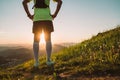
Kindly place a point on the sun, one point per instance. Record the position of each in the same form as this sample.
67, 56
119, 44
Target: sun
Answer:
42, 38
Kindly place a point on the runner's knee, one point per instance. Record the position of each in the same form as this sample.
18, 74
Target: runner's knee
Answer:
36, 37
47, 37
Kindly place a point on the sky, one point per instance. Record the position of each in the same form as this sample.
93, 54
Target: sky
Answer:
77, 20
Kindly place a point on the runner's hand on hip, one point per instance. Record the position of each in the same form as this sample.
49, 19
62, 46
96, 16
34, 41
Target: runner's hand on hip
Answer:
31, 16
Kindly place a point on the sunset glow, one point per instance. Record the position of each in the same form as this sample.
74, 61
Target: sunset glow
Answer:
42, 38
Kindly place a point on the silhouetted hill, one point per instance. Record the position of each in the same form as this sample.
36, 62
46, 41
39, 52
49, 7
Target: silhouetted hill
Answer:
93, 59
14, 56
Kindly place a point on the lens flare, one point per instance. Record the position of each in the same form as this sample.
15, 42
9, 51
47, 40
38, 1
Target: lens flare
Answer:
42, 38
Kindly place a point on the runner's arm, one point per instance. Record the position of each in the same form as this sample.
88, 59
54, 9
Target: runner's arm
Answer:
59, 3
26, 8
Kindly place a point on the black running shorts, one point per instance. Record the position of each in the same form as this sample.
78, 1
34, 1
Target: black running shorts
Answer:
39, 26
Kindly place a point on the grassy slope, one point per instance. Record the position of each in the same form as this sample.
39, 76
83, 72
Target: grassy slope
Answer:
98, 56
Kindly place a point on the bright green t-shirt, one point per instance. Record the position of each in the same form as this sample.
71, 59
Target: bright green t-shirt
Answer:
42, 14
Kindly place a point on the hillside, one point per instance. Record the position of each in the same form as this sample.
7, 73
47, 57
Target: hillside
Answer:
96, 58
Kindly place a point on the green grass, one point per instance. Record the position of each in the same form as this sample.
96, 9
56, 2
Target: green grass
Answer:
98, 56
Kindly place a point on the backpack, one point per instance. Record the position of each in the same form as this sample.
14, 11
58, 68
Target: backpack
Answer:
40, 4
